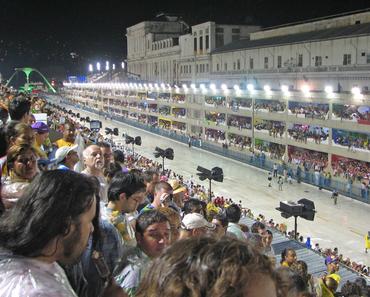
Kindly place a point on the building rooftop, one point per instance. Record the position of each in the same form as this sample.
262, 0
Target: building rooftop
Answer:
319, 35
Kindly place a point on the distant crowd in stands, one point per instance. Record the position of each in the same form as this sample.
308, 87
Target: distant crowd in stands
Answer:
309, 110
351, 112
302, 133
271, 106
217, 118
239, 122
353, 140
274, 128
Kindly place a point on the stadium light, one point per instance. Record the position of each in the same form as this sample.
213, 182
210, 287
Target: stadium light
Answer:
123, 65
328, 89
213, 87
114, 66
250, 87
98, 66
267, 89
305, 89
106, 65
284, 89
356, 91
193, 86
91, 67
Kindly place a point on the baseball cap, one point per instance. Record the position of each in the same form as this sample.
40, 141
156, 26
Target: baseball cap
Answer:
195, 220
63, 151
40, 127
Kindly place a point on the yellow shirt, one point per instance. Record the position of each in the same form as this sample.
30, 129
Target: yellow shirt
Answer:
61, 142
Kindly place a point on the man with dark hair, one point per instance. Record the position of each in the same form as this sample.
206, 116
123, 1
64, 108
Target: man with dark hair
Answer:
221, 222
106, 150
233, 214
19, 109
125, 193
69, 136
163, 194
153, 234
51, 223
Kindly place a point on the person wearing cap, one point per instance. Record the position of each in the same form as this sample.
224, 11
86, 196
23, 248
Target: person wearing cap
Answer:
66, 157
41, 134
195, 225
178, 192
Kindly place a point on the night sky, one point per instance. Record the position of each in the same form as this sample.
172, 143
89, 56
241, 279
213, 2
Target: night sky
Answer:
43, 35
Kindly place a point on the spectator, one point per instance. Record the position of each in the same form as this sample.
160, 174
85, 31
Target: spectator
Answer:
194, 225
125, 193
153, 233
94, 164
175, 222
208, 267
69, 135
41, 134
221, 222
66, 157
22, 167
106, 150
19, 109
61, 226
233, 214
163, 194
288, 257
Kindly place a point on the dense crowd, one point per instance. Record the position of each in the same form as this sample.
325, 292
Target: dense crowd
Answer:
309, 110
302, 133
352, 140
239, 122
352, 112
82, 216
270, 105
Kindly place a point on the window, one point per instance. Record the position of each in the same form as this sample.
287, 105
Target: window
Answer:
251, 64
197, 68
300, 60
207, 67
368, 58
219, 40
207, 42
218, 66
225, 66
347, 59
201, 43
195, 44
235, 30
181, 69
189, 68
266, 62
279, 62
318, 61
219, 30
238, 64
234, 66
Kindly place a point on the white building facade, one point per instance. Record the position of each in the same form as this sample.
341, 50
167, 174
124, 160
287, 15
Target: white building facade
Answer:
333, 50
